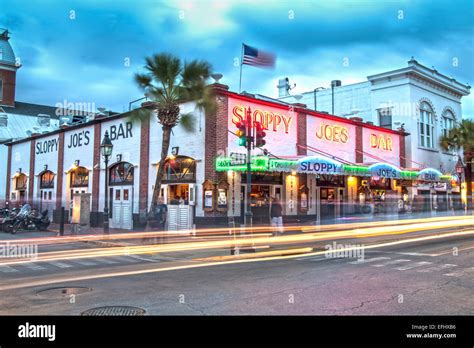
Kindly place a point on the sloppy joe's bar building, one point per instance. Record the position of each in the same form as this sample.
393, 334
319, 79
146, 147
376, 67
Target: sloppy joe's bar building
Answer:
317, 164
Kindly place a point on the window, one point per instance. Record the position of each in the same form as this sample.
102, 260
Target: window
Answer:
47, 180
1, 89
20, 182
426, 126
180, 169
80, 177
1, 54
447, 122
121, 174
385, 117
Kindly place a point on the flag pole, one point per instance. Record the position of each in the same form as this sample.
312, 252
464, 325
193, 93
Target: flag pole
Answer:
241, 63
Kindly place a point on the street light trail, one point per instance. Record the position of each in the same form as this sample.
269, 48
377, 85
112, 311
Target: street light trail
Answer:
222, 232
188, 265
233, 242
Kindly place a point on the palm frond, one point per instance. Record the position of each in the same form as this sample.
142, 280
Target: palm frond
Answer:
140, 114
188, 122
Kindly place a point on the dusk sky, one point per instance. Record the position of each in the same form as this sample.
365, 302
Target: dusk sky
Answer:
78, 50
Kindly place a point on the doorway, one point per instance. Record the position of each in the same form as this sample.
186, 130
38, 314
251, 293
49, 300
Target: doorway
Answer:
328, 202
122, 197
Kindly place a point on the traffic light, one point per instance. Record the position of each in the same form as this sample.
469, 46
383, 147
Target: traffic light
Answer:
259, 135
241, 133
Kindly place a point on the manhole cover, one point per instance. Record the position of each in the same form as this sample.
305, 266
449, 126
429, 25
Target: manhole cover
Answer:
115, 310
62, 291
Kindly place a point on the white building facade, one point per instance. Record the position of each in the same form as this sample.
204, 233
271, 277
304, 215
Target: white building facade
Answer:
424, 102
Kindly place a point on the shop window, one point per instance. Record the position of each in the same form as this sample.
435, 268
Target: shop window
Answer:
80, 177
47, 180
121, 174
426, 136
179, 169
20, 182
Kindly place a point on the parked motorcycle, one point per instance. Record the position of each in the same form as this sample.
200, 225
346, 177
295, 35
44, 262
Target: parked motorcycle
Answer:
28, 219
7, 218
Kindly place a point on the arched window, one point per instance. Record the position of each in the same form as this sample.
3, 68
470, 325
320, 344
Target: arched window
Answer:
180, 169
20, 182
121, 174
47, 180
426, 126
80, 177
447, 122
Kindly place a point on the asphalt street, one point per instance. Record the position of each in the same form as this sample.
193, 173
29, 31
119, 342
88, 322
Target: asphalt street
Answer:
421, 278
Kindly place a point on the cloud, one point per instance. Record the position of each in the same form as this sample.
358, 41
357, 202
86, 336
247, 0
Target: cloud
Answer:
84, 57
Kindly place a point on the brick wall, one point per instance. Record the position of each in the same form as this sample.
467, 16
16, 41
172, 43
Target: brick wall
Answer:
403, 154
60, 173
144, 165
216, 139
9, 81
96, 169
32, 178
359, 144
301, 134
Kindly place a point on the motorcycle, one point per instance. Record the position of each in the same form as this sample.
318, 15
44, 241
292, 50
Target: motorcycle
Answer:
27, 219
7, 218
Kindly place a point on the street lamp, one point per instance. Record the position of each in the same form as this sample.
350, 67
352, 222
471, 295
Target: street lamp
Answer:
315, 91
106, 151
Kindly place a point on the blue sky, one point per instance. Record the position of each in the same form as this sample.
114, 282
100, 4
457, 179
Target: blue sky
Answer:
83, 59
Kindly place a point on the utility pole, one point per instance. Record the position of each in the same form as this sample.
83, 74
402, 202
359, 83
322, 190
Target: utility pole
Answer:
248, 211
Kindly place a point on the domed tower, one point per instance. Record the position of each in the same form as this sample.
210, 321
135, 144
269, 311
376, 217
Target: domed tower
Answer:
8, 68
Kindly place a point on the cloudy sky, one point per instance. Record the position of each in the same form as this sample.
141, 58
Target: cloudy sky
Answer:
88, 50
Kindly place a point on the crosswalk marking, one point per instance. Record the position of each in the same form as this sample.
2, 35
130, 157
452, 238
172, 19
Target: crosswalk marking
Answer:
359, 262
391, 262
59, 264
33, 266
106, 260
7, 269
460, 272
413, 265
437, 268
84, 262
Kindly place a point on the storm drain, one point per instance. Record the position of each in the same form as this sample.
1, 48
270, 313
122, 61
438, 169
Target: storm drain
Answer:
62, 291
115, 311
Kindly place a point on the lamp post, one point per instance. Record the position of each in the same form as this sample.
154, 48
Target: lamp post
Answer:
106, 151
315, 91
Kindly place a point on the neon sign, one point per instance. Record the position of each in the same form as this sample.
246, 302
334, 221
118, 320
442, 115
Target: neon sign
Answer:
282, 165
269, 120
319, 165
257, 163
381, 142
334, 133
430, 174
384, 170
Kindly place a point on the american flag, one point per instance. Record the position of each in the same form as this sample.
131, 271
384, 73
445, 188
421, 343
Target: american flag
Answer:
256, 57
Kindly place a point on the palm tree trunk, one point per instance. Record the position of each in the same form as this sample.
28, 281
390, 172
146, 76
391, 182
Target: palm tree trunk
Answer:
468, 176
164, 153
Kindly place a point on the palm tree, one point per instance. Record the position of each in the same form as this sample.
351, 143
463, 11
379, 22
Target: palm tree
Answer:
167, 83
462, 137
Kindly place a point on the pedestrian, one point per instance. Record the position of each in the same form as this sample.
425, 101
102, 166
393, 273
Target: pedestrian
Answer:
161, 212
276, 217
